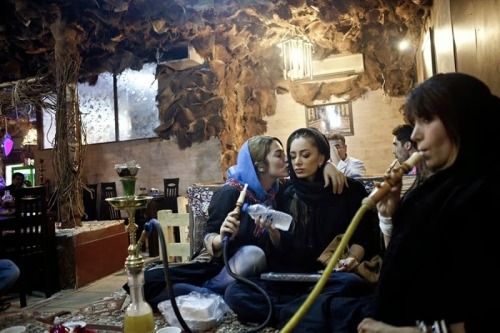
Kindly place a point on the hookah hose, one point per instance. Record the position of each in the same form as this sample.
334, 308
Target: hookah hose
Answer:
225, 241
395, 176
253, 285
148, 228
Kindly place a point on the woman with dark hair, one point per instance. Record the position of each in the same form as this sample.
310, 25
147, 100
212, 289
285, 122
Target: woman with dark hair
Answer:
318, 217
440, 239
261, 163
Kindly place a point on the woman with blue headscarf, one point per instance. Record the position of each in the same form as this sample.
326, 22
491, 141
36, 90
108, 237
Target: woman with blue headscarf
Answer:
261, 163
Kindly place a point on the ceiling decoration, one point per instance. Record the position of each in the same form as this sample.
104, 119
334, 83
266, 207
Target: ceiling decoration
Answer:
239, 40
126, 33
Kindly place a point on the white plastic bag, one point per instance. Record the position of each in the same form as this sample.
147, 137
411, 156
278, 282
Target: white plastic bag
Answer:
201, 312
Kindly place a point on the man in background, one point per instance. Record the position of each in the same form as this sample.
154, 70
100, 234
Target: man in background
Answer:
349, 166
17, 182
403, 146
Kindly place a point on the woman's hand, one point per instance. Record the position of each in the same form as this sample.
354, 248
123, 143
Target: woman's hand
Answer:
265, 222
348, 264
230, 225
388, 204
335, 177
369, 325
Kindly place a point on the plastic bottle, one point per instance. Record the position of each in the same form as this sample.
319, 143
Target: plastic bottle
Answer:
58, 327
280, 220
8, 199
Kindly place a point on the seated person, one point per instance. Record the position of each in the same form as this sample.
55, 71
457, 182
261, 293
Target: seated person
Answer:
18, 181
349, 166
318, 217
9, 273
261, 163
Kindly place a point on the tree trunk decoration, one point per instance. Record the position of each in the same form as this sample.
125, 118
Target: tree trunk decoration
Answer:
69, 147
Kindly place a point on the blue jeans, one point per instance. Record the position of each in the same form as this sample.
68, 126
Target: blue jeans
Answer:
287, 297
9, 273
249, 260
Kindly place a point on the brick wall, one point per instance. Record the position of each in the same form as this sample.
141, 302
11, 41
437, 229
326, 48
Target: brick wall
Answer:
374, 117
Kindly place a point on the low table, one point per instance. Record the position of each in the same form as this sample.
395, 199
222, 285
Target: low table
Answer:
91, 252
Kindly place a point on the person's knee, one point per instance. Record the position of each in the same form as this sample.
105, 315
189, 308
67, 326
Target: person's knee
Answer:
254, 260
15, 272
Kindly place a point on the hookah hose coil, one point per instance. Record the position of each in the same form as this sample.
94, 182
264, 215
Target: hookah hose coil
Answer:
368, 203
239, 204
148, 228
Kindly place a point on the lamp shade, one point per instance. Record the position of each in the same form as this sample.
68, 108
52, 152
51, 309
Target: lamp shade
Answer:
297, 59
7, 144
30, 139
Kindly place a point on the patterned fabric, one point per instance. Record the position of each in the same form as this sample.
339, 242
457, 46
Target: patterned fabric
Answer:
199, 199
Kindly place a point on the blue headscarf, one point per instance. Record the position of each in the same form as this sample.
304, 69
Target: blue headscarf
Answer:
244, 172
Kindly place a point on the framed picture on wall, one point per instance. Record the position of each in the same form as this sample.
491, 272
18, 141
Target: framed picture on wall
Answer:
331, 118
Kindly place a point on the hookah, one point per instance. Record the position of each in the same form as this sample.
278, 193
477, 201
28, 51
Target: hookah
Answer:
139, 314
392, 177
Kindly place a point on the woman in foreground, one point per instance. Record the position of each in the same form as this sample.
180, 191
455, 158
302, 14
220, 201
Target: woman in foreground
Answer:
440, 236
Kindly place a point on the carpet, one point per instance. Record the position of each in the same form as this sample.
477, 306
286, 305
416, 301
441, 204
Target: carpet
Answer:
105, 316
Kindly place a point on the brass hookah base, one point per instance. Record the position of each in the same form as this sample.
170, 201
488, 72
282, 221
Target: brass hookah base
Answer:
139, 314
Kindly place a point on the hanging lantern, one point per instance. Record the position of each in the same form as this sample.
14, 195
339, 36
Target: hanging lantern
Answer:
297, 59
30, 139
7, 143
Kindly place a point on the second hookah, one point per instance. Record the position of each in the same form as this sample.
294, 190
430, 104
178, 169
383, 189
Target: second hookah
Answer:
139, 314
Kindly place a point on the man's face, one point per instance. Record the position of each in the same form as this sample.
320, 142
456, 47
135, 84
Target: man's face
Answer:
400, 151
341, 148
18, 181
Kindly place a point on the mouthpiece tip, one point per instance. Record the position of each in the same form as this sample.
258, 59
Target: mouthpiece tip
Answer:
414, 158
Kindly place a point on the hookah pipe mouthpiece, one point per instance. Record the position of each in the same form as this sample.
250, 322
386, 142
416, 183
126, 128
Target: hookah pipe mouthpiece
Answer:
239, 203
389, 169
395, 176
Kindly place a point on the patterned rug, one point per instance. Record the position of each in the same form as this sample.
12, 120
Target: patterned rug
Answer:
105, 316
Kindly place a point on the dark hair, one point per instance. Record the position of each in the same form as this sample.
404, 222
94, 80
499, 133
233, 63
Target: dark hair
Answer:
318, 140
17, 174
403, 134
336, 136
466, 108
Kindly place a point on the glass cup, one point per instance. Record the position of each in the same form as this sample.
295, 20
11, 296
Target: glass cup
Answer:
128, 186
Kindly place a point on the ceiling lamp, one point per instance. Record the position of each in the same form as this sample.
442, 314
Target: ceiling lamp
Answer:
30, 139
297, 58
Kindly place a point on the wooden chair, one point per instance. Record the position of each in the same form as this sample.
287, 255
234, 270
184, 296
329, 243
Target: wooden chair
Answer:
171, 192
34, 251
177, 251
108, 190
90, 202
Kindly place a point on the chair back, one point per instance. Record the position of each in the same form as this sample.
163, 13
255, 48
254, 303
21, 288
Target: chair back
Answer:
171, 192
108, 190
35, 242
172, 224
90, 202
